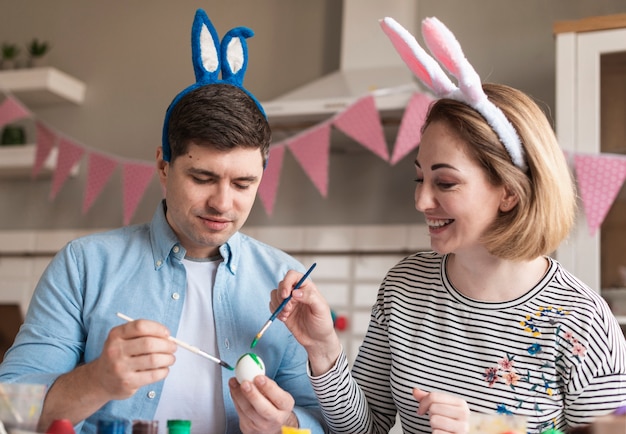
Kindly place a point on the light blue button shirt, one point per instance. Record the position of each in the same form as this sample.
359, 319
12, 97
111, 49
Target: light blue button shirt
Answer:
137, 270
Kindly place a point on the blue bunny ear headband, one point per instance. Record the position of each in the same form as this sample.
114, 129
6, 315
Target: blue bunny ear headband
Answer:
210, 57
447, 51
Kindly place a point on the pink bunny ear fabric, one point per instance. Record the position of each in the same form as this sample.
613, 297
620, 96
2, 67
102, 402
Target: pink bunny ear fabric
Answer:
418, 61
448, 52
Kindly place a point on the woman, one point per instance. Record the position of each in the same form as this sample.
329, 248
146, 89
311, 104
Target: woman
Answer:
487, 322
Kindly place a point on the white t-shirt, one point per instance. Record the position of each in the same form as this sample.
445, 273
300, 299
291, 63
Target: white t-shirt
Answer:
193, 388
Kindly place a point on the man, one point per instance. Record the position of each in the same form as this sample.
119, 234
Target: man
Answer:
188, 273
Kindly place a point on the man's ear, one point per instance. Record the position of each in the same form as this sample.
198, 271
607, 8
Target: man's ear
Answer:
161, 164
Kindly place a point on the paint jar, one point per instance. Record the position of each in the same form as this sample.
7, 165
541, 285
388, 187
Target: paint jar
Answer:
145, 427
178, 426
111, 426
60, 426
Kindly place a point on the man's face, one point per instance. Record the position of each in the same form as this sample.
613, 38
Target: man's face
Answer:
209, 194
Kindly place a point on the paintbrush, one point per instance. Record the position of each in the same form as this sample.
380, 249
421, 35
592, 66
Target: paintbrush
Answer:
187, 346
280, 307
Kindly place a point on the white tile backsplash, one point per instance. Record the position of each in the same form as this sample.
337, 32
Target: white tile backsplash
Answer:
374, 267
52, 241
387, 237
17, 241
15, 267
285, 238
365, 294
15, 291
329, 238
359, 321
337, 294
335, 267
418, 238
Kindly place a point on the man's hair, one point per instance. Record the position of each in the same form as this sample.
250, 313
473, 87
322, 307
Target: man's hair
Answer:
546, 210
220, 116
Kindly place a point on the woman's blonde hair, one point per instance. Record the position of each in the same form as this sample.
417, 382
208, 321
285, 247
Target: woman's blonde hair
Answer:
546, 208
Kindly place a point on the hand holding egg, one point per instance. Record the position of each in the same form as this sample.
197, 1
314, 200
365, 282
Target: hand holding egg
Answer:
249, 366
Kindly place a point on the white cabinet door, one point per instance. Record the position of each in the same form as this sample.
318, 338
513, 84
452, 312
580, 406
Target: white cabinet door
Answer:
578, 127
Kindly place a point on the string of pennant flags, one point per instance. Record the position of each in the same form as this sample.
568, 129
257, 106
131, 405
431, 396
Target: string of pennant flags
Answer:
599, 176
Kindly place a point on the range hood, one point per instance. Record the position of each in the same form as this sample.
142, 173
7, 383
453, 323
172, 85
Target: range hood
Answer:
368, 64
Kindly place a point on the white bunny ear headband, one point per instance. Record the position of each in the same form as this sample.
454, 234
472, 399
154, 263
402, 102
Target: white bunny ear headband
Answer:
447, 50
209, 58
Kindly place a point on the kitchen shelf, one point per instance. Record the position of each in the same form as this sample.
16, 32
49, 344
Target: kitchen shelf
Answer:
16, 162
37, 87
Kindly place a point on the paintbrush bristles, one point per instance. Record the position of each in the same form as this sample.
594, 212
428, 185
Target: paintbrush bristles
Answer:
281, 306
260, 333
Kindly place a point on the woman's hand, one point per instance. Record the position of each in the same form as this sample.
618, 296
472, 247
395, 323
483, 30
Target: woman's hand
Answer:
447, 413
308, 317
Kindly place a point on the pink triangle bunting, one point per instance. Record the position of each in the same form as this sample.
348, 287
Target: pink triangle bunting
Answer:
312, 150
271, 179
599, 177
361, 122
12, 110
410, 131
136, 177
100, 167
69, 154
46, 140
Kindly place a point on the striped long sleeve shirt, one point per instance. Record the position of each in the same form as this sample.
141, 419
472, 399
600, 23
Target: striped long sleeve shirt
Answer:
555, 355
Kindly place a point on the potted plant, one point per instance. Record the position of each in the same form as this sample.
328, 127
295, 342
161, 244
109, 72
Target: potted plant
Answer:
9, 55
13, 134
37, 51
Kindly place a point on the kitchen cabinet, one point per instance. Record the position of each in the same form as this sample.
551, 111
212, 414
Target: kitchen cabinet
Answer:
591, 119
36, 87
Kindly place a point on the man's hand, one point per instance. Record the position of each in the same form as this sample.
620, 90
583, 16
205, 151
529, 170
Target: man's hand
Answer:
263, 407
134, 354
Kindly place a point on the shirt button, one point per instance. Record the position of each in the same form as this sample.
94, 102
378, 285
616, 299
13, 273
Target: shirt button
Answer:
151, 394
176, 249
158, 263
227, 343
176, 296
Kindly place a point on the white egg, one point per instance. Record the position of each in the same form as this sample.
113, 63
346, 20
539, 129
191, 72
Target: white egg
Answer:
249, 366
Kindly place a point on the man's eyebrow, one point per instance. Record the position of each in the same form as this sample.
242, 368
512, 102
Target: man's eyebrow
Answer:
204, 172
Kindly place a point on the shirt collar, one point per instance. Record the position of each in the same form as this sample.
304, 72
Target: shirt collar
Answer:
164, 242
231, 252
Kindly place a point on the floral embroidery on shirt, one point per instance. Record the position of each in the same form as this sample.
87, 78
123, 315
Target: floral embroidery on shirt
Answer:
509, 375
505, 369
578, 349
550, 312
